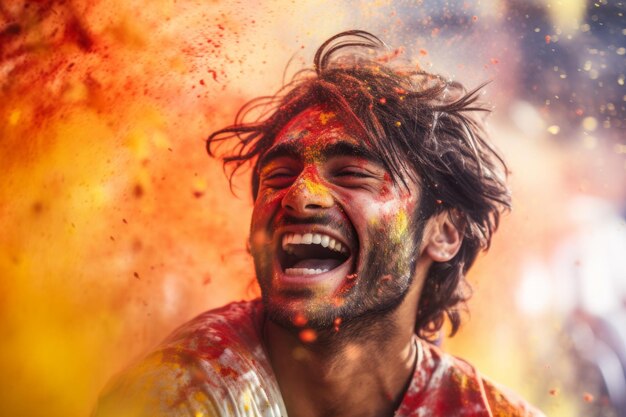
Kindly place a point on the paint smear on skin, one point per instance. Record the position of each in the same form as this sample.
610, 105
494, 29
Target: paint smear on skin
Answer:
399, 225
315, 188
326, 116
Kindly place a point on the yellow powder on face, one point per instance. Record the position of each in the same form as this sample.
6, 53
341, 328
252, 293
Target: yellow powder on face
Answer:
399, 225
326, 116
314, 188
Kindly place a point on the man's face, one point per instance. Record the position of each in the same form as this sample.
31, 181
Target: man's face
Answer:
332, 236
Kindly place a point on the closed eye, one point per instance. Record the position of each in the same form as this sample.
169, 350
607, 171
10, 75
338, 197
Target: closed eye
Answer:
351, 173
278, 174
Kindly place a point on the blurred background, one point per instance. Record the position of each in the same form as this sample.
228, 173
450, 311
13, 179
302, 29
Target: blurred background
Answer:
116, 227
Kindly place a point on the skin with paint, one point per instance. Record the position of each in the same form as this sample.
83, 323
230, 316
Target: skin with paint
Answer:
341, 255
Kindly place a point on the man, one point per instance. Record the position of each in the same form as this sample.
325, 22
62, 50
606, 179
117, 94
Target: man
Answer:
374, 190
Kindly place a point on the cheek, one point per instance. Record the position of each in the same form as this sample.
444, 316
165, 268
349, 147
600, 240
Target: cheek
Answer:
391, 218
265, 207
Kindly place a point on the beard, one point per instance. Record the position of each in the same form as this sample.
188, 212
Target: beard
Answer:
386, 274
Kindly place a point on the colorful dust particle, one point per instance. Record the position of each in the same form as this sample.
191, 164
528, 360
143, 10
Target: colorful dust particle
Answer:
587, 397
495, 61
554, 392
299, 320
382, 100
590, 123
548, 39
398, 124
554, 129
351, 276
308, 335
474, 18
423, 52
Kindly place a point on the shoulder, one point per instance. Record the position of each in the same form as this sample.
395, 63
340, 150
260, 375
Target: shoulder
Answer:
213, 365
444, 385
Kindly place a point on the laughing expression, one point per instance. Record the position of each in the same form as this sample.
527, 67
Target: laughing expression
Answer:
332, 235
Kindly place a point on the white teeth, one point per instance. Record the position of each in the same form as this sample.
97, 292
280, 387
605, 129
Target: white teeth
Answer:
311, 239
304, 271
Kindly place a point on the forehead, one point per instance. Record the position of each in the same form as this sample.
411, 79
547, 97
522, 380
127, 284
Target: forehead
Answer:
317, 127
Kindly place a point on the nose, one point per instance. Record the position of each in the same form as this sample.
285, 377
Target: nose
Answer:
307, 196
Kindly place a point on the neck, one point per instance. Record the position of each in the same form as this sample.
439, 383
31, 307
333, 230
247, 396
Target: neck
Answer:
362, 370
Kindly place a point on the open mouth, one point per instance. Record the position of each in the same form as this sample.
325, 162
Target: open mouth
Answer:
311, 253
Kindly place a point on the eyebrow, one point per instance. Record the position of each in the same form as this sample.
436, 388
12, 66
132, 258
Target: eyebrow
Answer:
337, 149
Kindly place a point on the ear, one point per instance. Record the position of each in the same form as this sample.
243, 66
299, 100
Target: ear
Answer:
443, 236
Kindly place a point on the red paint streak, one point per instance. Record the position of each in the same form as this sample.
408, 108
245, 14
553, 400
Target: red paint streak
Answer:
213, 74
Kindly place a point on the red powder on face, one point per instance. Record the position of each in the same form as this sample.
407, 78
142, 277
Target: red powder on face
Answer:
308, 335
336, 323
299, 320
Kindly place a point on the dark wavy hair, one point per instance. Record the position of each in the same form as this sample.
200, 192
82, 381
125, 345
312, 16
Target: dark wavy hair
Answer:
411, 118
